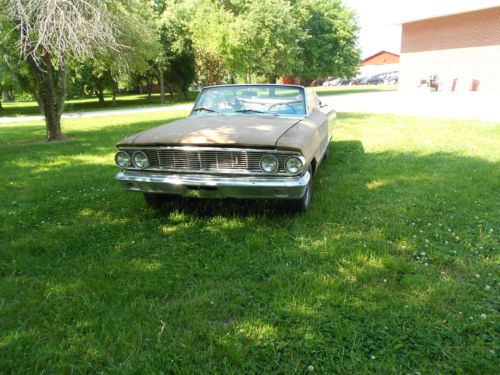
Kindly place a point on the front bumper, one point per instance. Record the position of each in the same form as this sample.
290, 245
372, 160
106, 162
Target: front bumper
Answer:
216, 186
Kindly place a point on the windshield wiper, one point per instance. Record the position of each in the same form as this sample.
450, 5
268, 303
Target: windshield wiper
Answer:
206, 109
255, 111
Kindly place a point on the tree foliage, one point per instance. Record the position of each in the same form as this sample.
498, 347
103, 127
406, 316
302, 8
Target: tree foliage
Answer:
328, 47
104, 45
307, 38
49, 32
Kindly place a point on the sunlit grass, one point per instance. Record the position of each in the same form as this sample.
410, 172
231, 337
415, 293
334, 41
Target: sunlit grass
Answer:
393, 270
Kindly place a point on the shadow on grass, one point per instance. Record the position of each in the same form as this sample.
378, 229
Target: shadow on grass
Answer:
92, 280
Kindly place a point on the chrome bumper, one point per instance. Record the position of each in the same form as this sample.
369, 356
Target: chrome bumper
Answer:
210, 186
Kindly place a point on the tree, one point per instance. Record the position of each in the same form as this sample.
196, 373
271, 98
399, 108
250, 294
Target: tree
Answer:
265, 44
210, 68
176, 57
250, 36
49, 33
95, 76
14, 74
328, 47
106, 69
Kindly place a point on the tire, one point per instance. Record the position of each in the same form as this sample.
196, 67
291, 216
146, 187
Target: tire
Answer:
153, 199
302, 204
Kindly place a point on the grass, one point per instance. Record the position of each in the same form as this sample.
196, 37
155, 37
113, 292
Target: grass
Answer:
86, 104
393, 270
343, 90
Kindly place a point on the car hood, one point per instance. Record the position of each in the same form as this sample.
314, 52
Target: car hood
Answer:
245, 130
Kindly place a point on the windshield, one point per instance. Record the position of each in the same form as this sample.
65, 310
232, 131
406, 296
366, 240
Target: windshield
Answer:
251, 99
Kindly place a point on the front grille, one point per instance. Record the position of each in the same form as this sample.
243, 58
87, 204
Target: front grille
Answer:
211, 160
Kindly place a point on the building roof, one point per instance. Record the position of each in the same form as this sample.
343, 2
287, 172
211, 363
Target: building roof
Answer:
443, 9
379, 53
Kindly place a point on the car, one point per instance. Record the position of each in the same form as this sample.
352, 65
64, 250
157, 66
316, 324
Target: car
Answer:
375, 80
345, 82
252, 141
362, 81
392, 79
332, 82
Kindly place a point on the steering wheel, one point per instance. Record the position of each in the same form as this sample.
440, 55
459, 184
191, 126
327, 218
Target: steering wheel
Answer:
288, 105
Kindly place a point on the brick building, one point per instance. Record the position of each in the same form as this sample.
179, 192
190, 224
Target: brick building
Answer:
458, 48
381, 62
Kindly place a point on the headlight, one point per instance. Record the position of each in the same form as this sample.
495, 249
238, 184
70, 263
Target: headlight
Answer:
269, 164
140, 160
122, 159
293, 165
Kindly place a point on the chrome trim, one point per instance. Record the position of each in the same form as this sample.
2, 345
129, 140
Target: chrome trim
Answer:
198, 148
211, 186
249, 154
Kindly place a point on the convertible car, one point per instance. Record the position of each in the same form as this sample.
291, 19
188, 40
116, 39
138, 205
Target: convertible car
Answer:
239, 141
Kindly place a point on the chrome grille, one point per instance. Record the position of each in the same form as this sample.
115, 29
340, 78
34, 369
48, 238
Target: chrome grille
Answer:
210, 160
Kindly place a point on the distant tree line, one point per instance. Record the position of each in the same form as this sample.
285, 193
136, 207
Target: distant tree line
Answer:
52, 49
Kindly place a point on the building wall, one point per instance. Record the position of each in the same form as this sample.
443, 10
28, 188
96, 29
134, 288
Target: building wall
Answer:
463, 64
473, 29
383, 58
462, 47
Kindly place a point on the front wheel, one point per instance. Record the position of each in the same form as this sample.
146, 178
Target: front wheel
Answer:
154, 199
302, 204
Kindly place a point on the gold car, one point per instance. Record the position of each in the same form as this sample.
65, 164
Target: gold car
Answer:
239, 141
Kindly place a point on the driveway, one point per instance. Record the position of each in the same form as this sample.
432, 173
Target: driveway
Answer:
467, 105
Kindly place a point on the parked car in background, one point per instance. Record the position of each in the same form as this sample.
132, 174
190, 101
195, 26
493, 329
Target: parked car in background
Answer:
332, 82
392, 79
345, 81
375, 80
362, 80
239, 141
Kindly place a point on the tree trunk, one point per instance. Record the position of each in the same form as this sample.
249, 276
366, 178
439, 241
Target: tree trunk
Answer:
100, 95
40, 103
150, 88
271, 78
8, 96
51, 88
1, 108
113, 97
140, 89
161, 81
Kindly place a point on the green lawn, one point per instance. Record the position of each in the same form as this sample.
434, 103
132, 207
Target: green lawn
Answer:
394, 270
342, 90
85, 104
